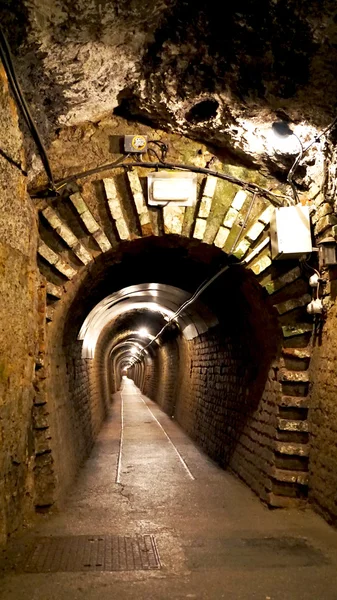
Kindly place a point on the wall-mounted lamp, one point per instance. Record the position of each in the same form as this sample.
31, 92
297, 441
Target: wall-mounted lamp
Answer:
177, 187
327, 252
283, 139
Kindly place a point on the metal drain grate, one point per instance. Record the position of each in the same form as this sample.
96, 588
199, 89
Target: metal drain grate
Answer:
93, 553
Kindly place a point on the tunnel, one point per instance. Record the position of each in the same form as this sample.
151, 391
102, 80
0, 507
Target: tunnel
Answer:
213, 359
168, 268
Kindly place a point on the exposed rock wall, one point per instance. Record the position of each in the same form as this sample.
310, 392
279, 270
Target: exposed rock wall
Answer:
178, 64
323, 397
323, 422
18, 323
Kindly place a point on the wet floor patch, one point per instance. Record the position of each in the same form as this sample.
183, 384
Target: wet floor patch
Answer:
253, 553
92, 553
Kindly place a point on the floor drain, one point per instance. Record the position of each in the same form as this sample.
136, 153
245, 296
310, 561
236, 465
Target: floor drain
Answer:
93, 553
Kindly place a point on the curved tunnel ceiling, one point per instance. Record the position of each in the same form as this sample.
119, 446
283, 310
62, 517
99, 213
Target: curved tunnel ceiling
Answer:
155, 297
177, 65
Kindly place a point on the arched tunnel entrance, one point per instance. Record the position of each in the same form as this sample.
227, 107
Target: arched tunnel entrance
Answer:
153, 411
210, 370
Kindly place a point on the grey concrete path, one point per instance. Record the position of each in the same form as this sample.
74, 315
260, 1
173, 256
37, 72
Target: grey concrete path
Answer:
215, 539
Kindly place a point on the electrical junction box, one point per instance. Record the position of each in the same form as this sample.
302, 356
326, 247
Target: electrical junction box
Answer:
176, 187
135, 144
290, 233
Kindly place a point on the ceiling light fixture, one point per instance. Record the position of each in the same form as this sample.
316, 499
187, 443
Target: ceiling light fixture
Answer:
172, 186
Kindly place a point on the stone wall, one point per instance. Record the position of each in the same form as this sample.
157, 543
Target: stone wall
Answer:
215, 394
151, 377
76, 397
224, 412
18, 323
323, 421
253, 458
168, 367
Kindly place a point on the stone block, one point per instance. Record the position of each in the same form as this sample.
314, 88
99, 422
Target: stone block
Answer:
221, 237
230, 218
47, 253
280, 282
205, 207
102, 240
78, 203
292, 304
65, 269
210, 186
255, 231
239, 200
261, 265
242, 249
294, 330
324, 224
322, 211
89, 221
266, 215
199, 229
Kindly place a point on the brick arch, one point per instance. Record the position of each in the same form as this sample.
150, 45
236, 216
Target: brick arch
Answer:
76, 230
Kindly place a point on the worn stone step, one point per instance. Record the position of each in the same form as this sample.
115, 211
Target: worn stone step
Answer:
294, 364
292, 449
50, 313
292, 425
292, 304
294, 401
296, 330
288, 476
300, 353
277, 284
53, 290
294, 376
284, 502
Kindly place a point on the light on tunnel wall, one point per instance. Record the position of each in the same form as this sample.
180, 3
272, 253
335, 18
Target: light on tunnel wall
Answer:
143, 332
283, 139
177, 187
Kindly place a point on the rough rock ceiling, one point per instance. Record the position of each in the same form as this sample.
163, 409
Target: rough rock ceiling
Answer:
221, 75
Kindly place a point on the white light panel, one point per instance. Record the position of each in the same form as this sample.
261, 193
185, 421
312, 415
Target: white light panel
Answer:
171, 186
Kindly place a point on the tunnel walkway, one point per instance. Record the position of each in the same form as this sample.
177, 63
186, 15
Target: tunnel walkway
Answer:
214, 538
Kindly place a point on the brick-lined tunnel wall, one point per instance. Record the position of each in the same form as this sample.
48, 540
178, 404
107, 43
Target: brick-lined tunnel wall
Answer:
323, 421
152, 376
222, 388
19, 323
212, 412
216, 401
168, 367
77, 405
228, 411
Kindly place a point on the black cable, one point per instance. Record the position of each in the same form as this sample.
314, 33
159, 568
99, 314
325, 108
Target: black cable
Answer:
163, 147
250, 187
152, 151
243, 227
293, 169
318, 137
118, 163
301, 154
6, 58
206, 283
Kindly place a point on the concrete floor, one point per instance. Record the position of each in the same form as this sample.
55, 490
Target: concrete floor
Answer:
215, 539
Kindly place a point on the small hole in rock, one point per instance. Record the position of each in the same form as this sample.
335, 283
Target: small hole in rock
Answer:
202, 111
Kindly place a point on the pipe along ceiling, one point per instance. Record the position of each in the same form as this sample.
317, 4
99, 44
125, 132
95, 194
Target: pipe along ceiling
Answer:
156, 298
